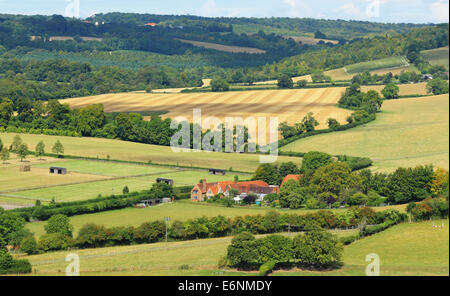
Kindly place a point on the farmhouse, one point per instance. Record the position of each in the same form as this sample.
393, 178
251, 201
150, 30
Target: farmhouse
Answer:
204, 190
58, 170
290, 177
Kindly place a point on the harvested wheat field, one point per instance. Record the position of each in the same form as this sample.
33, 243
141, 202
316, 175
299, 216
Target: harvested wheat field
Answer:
408, 132
287, 105
311, 40
404, 89
206, 83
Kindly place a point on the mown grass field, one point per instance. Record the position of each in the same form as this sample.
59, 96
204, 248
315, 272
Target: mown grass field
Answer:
128, 151
88, 178
90, 190
12, 179
287, 105
179, 210
406, 249
408, 132
437, 56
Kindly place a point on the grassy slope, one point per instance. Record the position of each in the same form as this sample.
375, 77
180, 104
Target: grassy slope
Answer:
406, 249
387, 63
437, 56
408, 132
180, 210
122, 150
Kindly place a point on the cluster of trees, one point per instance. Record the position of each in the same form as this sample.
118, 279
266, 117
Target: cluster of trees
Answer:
12, 232
307, 127
21, 149
435, 206
316, 248
370, 102
327, 182
89, 121
308, 124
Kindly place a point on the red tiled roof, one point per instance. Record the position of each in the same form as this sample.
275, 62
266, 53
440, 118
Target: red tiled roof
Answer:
290, 177
247, 186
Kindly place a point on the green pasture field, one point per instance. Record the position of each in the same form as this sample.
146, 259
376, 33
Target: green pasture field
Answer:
129, 151
415, 249
179, 210
391, 62
91, 190
437, 56
150, 259
107, 168
408, 132
406, 249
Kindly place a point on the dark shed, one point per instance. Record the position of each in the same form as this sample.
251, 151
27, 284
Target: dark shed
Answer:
58, 170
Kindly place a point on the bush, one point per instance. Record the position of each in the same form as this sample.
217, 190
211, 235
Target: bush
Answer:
91, 236
29, 245
54, 242
266, 268
10, 266
59, 224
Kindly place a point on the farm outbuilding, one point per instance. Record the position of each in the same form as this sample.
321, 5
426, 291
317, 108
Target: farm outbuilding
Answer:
58, 170
164, 180
217, 172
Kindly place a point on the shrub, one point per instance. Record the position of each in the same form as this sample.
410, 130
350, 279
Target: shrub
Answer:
59, 224
92, 236
150, 232
266, 268
223, 262
29, 245
54, 242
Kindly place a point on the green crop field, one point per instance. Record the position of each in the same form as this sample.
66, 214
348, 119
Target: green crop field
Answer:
387, 63
179, 210
437, 56
128, 151
407, 133
405, 249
